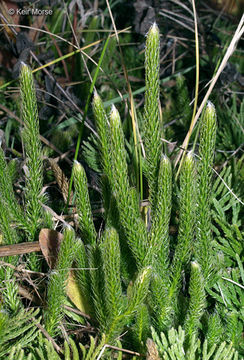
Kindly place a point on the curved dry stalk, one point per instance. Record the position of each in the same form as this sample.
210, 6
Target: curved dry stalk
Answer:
231, 48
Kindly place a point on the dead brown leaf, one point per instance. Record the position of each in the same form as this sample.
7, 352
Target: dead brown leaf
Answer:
49, 241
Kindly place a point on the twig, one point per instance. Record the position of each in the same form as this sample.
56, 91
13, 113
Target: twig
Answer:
106, 346
226, 185
19, 249
78, 312
233, 282
29, 296
45, 333
20, 269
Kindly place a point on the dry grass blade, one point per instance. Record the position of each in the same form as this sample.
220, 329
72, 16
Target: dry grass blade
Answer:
177, 21
182, 5
181, 16
226, 185
32, 28
231, 48
67, 96
106, 346
44, 140
78, 49
233, 282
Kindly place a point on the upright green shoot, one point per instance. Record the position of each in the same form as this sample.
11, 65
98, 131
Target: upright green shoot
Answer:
33, 152
204, 253
111, 268
197, 302
102, 126
185, 238
57, 283
159, 232
152, 126
128, 207
83, 205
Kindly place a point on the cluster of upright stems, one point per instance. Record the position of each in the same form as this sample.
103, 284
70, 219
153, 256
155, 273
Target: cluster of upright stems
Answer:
132, 272
159, 273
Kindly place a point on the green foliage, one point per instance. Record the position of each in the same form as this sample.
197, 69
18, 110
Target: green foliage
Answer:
111, 268
62, 138
227, 288
127, 204
81, 265
94, 350
187, 221
206, 152
58, 281
133, 271
8, 201
17, 330
83, 205
10, 235
102, 125
226, 213
197, 302
152, 126
230, 135
32, 147
173, 346
140, 330
229, 297
90, 153
43, 349
182, 100
159, 232
10, 292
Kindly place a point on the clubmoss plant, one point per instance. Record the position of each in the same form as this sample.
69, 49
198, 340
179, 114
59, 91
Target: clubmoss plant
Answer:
83, 205
18, 330
152, 126
11, 212
111, 268
112, 308
8, 201
166, 286
31, 216
150, 246
132, 274
128, 205
33, 152
206, 153
58, 281
197, 302
187, 207
156, 259
102, 125
159, 232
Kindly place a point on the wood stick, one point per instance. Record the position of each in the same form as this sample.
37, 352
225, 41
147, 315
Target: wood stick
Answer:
19, 249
